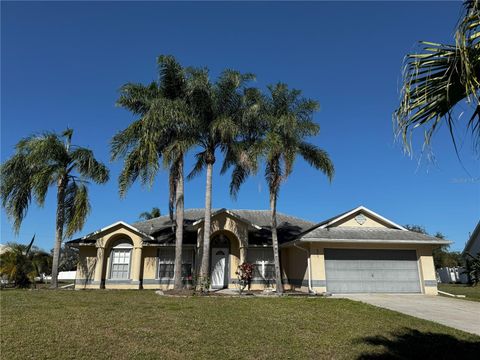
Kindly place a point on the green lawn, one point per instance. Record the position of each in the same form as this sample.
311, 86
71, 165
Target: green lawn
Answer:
471, 292
66, 324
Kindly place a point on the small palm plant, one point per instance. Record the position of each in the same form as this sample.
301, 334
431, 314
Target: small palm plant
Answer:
152, 214
20, 264
42, 161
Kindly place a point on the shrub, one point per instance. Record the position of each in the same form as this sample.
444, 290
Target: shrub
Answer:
245, 275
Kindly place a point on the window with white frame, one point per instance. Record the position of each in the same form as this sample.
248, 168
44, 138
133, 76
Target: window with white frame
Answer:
121, 256
166, 263
262, 258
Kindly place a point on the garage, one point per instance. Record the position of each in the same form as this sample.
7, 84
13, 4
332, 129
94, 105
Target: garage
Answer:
371, 271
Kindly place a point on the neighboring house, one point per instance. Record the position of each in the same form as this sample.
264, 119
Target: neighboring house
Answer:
473, 244
357, 251
456, 274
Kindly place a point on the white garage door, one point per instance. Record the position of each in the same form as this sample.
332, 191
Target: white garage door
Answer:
371, 271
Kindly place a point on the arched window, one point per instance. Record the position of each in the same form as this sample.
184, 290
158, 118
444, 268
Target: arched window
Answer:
121, 256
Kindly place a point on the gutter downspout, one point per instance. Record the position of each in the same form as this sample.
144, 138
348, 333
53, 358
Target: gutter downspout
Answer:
309, 268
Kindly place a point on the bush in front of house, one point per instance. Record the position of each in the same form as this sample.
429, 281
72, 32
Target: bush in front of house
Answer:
245, 275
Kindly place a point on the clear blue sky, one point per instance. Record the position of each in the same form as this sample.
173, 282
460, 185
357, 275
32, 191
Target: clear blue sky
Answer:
63, 62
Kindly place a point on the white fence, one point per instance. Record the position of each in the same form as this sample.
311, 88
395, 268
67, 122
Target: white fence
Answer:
452, 275
66, 275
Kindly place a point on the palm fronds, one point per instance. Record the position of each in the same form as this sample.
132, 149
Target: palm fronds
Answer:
439, 77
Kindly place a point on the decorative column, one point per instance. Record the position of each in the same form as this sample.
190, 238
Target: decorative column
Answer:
243, 253
136, 265
99, 266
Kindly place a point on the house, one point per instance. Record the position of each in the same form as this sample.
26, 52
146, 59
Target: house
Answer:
473, 244
357, 251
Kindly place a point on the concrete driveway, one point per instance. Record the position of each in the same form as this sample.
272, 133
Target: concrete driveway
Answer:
456, 313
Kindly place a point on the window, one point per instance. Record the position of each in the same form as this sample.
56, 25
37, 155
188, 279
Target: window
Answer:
166, 263
120, 264
262, 258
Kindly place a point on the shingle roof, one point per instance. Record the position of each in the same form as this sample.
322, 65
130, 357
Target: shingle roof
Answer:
372, 234
256, 217
290, 228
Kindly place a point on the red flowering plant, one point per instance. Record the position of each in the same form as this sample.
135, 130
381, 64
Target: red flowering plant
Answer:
245, 275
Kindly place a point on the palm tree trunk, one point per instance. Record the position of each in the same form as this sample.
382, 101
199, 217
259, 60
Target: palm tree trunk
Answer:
276, 255
207, 223
179, 212
60, 219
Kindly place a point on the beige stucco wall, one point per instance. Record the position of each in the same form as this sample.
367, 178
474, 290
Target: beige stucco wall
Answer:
427, 270
317, 262
227, 223
150, 261
237, 233
369, 222
87, 259
100, 255
295, 268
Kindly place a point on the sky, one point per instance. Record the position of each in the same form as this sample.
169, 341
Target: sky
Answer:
62, 64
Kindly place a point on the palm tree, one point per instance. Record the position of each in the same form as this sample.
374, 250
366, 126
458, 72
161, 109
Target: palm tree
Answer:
41, 161
22, 263
163, 130
152, 214
218, 110
440, 77
285, 121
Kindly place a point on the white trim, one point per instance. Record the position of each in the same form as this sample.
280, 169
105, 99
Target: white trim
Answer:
112, 259
128, 226
367, 241
368, 211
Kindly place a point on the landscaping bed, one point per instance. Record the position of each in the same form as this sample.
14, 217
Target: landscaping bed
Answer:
129, 324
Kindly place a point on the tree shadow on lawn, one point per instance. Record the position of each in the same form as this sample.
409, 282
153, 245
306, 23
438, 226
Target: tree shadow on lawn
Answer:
413, 344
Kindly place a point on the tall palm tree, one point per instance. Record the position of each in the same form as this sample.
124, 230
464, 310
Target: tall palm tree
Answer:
147, 215
218, 107
440, 77
162, 131
285, 121
41, 161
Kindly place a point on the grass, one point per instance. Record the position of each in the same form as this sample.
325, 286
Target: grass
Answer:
45, 324
471, 292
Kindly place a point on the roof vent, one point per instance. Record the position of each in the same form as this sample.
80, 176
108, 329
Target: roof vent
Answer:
360, 219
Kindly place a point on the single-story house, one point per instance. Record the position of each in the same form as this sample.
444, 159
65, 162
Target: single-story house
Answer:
358, 251
473, 244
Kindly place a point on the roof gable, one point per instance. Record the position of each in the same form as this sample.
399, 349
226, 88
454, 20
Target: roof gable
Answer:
99, 233
230, 214
359, 217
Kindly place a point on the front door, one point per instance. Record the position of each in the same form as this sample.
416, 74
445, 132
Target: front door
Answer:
219, 268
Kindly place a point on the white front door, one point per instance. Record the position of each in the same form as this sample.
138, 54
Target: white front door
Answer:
219, 268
